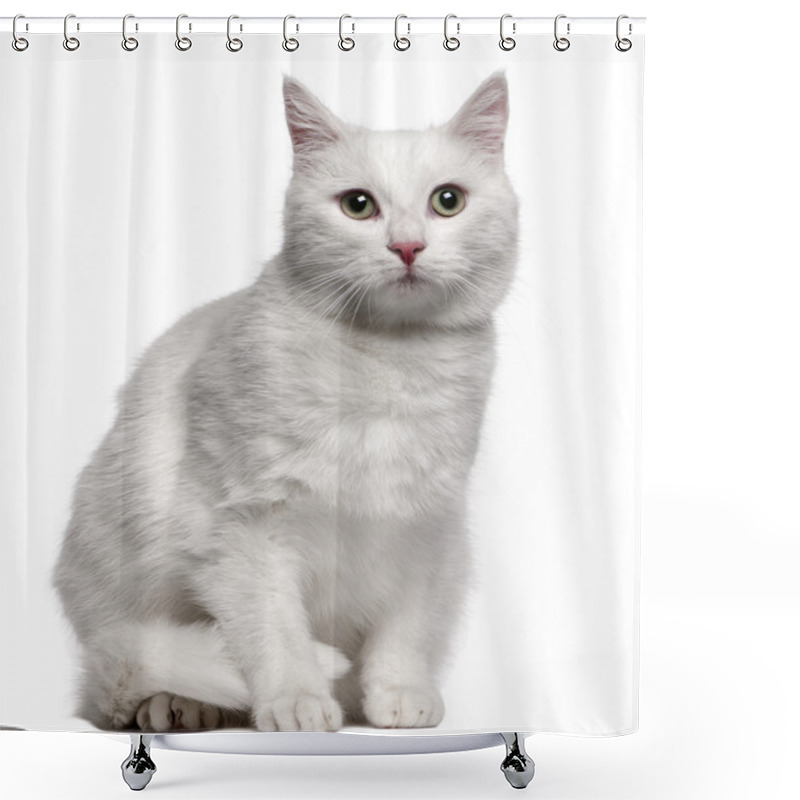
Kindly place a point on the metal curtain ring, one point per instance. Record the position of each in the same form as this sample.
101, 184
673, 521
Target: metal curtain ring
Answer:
19, 43
290, 44
401, 42
507, 42
70, 42
345, 42
181, 42
129, 43
451, 42
561, 43
234, 45
623, 45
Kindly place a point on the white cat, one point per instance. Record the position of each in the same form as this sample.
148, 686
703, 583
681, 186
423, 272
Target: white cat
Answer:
272, 533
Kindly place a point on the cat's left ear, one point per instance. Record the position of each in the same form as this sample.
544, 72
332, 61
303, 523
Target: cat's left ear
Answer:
311, 125
484, 116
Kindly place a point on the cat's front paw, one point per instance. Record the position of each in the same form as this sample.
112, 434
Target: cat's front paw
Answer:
299, 712
404, 707
170, 712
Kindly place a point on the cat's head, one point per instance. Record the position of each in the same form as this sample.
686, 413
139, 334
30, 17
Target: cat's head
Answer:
394, 228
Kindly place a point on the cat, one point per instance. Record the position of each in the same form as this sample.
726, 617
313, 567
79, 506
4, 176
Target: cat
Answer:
272, 534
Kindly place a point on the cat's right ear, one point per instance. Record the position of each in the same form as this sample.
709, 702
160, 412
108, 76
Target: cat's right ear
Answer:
311, 126
484, 116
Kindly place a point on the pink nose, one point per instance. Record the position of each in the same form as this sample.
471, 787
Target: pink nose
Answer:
407, 250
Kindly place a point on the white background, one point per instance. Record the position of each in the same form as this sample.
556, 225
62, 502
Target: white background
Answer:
721, 452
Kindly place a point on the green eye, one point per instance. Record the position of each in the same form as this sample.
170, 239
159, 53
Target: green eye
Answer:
447, 201
359, 205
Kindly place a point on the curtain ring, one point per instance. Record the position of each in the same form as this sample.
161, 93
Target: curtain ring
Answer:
401, 42
561, 43
623, 45
70, 42
345, 42
18, 42
129, 43
181, 42
451, 42
290, 44
234, 45
507, 42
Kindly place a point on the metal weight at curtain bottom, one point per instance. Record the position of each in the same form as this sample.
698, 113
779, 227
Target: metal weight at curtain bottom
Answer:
517, 766
138, 768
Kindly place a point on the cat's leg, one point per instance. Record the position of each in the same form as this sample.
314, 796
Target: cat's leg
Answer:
130, 667
402, 653
399, 689
253, 585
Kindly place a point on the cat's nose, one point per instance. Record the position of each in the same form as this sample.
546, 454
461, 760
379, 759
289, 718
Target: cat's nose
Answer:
407, 250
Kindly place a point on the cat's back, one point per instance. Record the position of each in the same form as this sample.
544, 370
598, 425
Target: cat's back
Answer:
133, 473
125, 496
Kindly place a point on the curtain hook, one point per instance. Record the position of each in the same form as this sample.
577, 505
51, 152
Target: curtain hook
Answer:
401, 42
18, 42
129, 43
561, 43
623, 45
451, 42
507, 42
181, 42
290, 44
70, 42
345, 42
233, 44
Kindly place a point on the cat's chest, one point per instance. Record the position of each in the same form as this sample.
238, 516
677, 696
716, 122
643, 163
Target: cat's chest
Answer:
403, 385
396, 425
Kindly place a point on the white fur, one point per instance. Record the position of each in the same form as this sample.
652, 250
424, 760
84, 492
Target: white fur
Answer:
282, 494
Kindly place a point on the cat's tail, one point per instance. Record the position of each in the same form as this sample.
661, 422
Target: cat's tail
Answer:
138, 660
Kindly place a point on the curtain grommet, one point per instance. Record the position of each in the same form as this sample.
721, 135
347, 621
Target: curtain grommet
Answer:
451, 43
346, 43
183, 43
561, 43
289, 44
129, 43
234, 45
71, 43
623, 44
19, 43
401, 43
507, 42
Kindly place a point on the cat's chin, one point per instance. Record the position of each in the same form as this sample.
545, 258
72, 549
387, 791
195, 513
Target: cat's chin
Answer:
408, 298
411, 283
418, 303
410, 279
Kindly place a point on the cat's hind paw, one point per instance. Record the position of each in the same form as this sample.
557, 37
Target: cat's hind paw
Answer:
300, 712
170, 712
404, 707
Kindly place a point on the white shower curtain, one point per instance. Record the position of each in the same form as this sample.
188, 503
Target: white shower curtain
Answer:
137, 186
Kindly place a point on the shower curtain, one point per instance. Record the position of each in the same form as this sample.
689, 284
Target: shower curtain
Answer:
320, 375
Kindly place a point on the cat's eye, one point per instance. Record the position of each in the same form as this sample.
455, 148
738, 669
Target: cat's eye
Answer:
447, 201
359, 204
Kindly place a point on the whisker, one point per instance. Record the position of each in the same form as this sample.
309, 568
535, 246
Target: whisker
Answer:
343, 299
363, 294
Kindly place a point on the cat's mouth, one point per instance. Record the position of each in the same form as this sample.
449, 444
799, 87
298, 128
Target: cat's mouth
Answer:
410, 278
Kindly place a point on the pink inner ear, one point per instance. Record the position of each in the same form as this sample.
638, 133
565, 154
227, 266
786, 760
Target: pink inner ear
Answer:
484, 116
308, 136
311, 125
